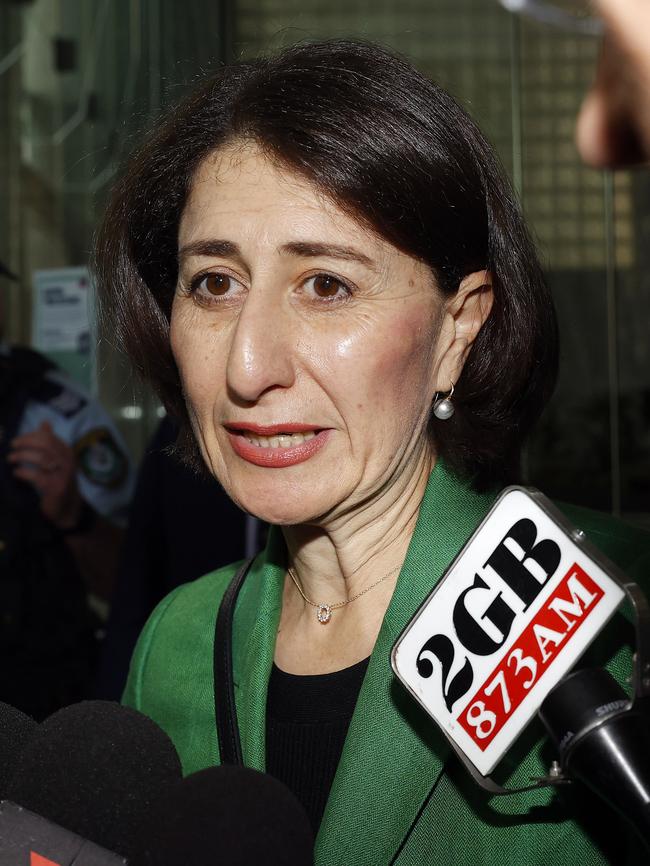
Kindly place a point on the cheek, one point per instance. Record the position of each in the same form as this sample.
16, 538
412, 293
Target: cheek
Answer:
183, 348
195, 354
388, 370
403, 347
179, 327
404, 376
408, 348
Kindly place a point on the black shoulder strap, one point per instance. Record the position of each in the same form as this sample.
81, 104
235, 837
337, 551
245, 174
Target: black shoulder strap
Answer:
224, 688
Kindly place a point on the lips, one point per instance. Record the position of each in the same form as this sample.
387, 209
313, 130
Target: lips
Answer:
276, 446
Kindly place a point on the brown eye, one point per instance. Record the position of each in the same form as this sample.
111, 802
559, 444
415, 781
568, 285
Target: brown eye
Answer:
215, 287
328, 287
217, 284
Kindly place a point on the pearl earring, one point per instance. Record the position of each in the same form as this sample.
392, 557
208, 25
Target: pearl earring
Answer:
443, 408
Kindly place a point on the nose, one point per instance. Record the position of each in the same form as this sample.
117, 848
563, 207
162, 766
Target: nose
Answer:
260, 356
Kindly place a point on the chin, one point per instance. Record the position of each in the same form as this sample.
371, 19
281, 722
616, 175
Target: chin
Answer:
281, 501
290, 512
293, 495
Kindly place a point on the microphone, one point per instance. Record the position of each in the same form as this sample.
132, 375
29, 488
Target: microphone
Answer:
231, 815
604, 741
88, 777
16, 729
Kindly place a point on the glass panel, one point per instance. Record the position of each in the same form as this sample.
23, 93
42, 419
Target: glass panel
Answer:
633, 343
464, 45
87, 78
570, 455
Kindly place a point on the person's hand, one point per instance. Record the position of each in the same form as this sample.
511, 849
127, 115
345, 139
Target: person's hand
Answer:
48, 464
614, 122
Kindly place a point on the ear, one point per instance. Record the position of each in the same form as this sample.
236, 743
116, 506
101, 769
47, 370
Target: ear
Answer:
464, 316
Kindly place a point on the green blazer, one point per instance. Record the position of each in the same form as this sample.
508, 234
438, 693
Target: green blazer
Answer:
398, 796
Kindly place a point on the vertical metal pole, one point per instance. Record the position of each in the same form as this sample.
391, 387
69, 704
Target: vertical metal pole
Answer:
144, 397
227, 30
516, 138
154, 56
516, 106
12, 50
612, 340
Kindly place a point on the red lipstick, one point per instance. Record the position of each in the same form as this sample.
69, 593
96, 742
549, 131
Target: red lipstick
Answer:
275, 458
271, 429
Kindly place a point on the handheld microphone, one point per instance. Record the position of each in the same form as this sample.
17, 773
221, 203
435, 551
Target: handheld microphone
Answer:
90, 775
231, 815
604, 741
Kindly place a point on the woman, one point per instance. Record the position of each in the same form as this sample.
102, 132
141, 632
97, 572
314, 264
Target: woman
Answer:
305, 257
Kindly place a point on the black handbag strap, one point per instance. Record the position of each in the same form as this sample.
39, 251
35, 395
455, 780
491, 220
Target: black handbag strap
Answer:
224, 687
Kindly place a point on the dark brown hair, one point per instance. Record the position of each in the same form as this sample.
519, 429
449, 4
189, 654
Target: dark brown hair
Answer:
395, 151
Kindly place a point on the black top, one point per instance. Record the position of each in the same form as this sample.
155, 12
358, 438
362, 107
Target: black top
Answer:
307, 720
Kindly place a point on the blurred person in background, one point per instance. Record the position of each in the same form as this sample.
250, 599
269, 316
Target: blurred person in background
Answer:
181, 526
614, 123
65, 483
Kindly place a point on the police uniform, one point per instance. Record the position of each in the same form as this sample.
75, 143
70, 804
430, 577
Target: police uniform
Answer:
47, 630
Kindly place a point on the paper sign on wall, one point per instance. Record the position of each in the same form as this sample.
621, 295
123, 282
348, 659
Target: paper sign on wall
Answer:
62, 317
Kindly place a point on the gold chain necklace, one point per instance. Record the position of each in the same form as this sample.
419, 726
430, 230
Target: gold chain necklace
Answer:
324, 611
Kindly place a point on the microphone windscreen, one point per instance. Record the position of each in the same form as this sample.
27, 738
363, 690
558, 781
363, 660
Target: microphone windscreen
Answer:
227, 815
16, 729
95, 768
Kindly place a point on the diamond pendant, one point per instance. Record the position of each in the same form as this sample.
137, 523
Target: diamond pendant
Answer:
324, 613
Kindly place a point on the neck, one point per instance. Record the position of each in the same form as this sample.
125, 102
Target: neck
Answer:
339, 559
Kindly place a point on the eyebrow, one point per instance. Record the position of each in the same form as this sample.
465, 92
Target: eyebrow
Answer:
312, 249
301, 249
211, 247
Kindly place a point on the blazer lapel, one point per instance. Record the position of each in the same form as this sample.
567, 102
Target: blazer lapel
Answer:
394, 754
255, 627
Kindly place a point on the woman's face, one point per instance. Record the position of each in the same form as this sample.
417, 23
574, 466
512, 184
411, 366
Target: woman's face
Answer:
307, 345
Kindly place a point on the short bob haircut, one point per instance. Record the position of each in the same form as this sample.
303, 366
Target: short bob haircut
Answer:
397, 153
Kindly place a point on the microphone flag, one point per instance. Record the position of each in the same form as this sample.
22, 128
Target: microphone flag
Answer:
36, 860
28, 838
513, 613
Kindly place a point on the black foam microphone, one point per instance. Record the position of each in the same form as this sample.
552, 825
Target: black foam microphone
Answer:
16, 729
603, 741
94, 769
229, 815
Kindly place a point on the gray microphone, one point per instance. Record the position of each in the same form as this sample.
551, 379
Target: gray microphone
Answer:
604, 741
